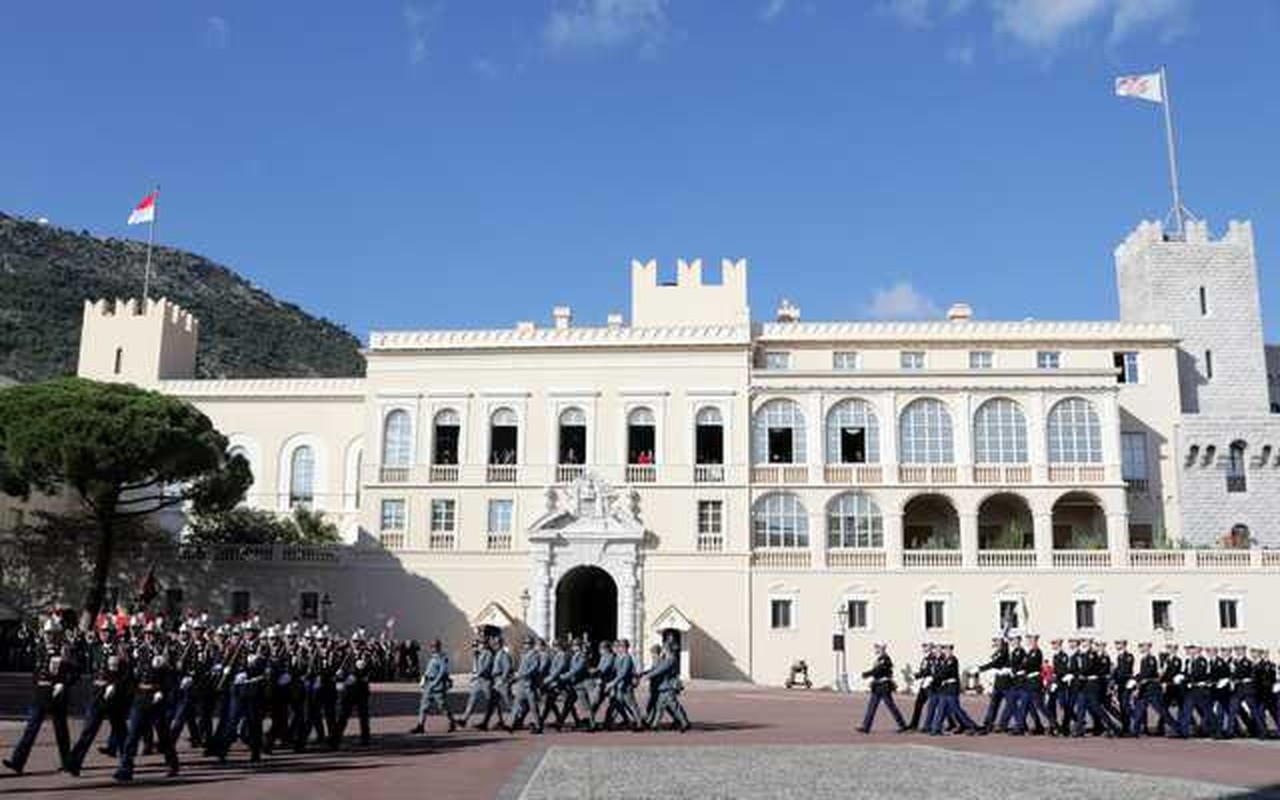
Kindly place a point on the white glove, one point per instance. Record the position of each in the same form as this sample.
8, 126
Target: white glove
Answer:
1068, 678
359, 663
241, 678
1275, 689
1179, 679
57, 689
1223, 683
284, 679
113, 663
157, 698
158, 662
186, 682
1131, 684
110, 690
226, 669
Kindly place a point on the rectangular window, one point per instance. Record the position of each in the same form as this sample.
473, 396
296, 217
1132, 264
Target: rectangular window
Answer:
859, 620
500, 512
1009, 619
1228, 614
393, 515
1133, 452
1204, 302
780, 614
309, 605
1086, 614
981, 359
241, 603
853, 445
1127, 363
777, 360
1208, 365
710, 517
935, 615
1048, 359
846, 360
912, 359
1161, 615
442, 516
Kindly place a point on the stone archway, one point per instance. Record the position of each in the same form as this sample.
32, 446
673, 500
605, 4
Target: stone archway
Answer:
587, 602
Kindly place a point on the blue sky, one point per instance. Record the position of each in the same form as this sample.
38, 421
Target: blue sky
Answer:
473, 162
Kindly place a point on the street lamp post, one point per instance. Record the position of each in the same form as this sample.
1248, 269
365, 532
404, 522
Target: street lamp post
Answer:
841, 679
525, 600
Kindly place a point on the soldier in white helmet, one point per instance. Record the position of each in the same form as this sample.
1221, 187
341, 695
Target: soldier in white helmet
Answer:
54, 674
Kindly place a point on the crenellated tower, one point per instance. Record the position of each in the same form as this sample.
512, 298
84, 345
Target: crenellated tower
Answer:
129, 341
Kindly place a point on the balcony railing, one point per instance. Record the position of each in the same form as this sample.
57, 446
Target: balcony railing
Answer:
853, 474
498, 540
444, 473
931, 559
393, 474
1081, 559
392, 540
441, 540
642, 473
1077, 473
501, 473
1002, 473
1007, 559
927, 473
774, 473
856, 559
1224, 559
710, 543
781, 559
708, 473
1137, 485
1159, 559
568, 473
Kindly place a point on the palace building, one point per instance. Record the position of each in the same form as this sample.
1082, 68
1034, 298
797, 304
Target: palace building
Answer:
757, 486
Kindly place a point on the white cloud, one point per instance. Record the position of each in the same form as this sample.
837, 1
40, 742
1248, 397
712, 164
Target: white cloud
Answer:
1043, 23
773, 9
901, 301
962, 54
415, 23
912, 13
600, 24
1171, 18
216, 32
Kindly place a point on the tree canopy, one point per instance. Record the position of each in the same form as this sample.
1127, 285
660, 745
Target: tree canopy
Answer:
123, 452
254, 526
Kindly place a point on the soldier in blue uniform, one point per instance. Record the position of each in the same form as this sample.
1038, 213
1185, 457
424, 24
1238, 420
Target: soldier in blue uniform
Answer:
1148, 693
1059, 690
147, 711
664, 680
54, 674
947, 694
501, 671
882, 689
924, 678
1219, 689
352, 681
1123, 683
109, 703
601, 674
577, 679
1173, 680
527, 689
1265, 688
480, 696
1197, 700
622, 689
999, 664
1243, 694
435, 688
246, 669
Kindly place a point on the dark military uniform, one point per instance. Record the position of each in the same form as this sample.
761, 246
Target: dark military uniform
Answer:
147, 711
53, 675
882, 689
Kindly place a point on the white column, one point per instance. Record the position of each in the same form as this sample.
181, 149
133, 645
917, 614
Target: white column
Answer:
892, 537
969, 537
1037, 448
815, 427
1109, 414
1043, 523
817, 536
540, 605
1118, 538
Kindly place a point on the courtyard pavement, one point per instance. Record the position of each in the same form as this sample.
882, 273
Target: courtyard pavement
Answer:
748, 742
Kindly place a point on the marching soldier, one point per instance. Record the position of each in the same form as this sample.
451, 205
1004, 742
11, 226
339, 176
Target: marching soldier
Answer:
1243, 694
147, 711
1060, 690
110, 702
353, 689
602, 675
526, 689
53, 674
1031, 687
882, 689
435, 688
1265, 688
1149, 693
928, 655
480, 695
622, 689
555, 663
1197, 700
500, 693
1219, 689
999, 664
1124, 683
1173, 679
577, 681
664, 678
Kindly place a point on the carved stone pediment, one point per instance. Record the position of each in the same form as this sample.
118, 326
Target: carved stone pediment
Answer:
588, 508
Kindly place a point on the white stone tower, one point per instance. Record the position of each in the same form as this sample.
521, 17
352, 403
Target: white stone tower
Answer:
1228, 446
140, 343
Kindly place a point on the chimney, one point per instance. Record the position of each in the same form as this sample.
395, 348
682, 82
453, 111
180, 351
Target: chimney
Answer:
960, 312
562, 315
615, 321
788, 311
525, 327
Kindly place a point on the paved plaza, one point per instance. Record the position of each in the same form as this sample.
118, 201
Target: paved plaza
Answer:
748, 742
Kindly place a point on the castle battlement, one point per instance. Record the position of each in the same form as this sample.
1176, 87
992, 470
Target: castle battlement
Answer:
137, 341
173, 314
690, 300
1150, 232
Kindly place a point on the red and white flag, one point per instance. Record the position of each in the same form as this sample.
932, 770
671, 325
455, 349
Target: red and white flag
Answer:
146, 210
1148, 87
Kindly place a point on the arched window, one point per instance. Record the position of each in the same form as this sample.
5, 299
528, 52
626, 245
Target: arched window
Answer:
1000, 433
119, 360
302, 477
641, 436
708, 434
243, 452
853, 433
1075, 434
925, 433
397, 439
573, 436
853, 520
448, 429
779, 520
779, 433
504, 428
1237, 480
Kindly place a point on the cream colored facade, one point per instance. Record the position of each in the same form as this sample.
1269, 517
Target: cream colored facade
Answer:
740, 482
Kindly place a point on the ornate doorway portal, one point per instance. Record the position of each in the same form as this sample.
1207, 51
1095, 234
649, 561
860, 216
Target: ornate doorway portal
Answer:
587, 602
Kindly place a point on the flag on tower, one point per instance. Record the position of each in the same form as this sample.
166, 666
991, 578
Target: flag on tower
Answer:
1148, 87
145, 211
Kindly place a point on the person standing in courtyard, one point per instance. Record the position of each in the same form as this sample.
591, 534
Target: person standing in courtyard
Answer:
882, 689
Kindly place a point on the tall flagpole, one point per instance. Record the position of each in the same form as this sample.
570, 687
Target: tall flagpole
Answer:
151, 238
1179, 212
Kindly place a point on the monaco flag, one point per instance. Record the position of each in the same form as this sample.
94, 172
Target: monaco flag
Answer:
1144, 87
145, 211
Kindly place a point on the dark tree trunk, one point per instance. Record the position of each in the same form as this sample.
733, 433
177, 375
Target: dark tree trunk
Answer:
101, 569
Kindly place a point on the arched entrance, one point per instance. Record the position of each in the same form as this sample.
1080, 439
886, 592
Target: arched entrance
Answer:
587, 602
